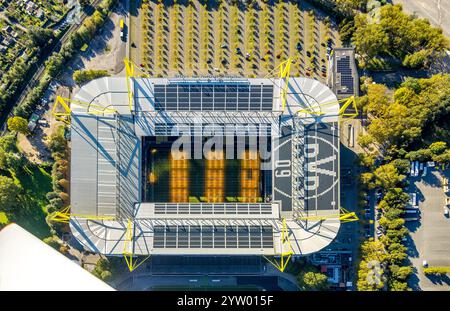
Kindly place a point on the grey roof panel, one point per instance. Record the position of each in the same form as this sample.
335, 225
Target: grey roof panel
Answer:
83, 165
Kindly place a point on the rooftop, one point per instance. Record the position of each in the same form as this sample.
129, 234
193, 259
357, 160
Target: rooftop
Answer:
106, 165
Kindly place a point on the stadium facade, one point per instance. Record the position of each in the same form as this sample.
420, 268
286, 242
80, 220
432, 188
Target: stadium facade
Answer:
109, 179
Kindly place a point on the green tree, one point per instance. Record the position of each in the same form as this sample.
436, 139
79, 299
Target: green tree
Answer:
396, 198
18, 124
397, 37
391, 224
438, 147
103, 269
387, 176
401, 273
313, 281
396, 253
418, 59
9, 192
40, 36
442, 158
419, 155
52, 242
391, 213
395, 236
365, 141
436, 270
402, 165
369, 39
56, 142
8, 143
106, 276
395, 285
83, 76
366, 179
370, 279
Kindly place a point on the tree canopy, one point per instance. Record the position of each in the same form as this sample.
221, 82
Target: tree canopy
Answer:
417, 108
83, 76
312, 280
397, 36
18, 124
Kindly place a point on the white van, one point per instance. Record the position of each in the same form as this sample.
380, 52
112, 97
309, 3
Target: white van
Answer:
411, 218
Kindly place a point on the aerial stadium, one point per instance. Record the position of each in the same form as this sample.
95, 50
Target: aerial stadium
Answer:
204, 166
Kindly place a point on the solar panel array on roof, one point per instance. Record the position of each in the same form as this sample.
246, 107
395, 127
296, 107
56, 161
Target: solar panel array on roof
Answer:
254, 129
344, 69
213, 97
217, 209
207, 236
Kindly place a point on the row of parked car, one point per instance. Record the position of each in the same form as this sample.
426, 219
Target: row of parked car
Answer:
418, 167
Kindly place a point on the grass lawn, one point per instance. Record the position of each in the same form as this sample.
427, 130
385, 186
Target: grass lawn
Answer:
36, 183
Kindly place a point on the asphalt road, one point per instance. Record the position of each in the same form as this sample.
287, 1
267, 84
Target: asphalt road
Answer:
135, 31
436, 11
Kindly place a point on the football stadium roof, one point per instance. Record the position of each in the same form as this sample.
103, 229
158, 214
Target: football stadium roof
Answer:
107, 131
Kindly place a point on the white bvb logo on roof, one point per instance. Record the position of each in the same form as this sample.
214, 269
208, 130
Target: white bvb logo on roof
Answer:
317, 174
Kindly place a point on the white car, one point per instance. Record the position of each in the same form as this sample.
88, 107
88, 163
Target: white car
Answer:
445, 211
424, 173
424, 263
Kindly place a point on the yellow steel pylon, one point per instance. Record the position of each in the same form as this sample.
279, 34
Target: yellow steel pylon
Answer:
64, 216
128, 253
285, 73
343, 215
131, 70
91, 108
347, 102
286, 250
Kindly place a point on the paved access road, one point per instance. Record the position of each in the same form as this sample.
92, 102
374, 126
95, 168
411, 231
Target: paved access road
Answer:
436, 11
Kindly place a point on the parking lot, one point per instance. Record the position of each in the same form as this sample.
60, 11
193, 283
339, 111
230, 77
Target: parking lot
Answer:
429, 236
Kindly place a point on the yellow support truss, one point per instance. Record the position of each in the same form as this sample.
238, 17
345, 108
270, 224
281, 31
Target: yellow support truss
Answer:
343, 103
64, 216
91, 108
286, 250
128, 253
344, 216
285, 73
132, 71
